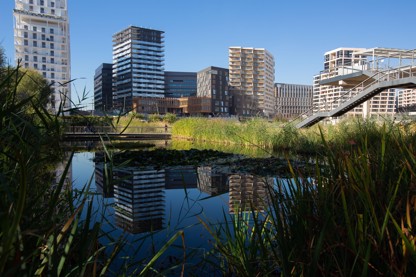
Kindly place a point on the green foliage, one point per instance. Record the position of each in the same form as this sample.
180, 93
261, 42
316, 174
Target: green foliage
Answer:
169, 118
155, 118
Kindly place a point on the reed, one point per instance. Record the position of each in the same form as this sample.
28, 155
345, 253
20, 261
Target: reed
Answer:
353, 217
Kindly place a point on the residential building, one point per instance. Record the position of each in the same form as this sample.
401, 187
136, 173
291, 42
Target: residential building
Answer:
138, 60
41, 39
103, 87
252, 80
292, 99
180, 84
212, 82
342, 61
406, 101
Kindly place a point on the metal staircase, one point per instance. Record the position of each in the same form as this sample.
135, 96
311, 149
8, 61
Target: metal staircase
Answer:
400, 77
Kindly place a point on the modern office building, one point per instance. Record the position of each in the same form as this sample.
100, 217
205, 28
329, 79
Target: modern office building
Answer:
138, 60
212, 82
252, 76
103, 87
41, 39
180, 84
292, 99
342, 61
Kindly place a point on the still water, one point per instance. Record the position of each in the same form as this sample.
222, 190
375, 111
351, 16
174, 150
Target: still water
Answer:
146, 206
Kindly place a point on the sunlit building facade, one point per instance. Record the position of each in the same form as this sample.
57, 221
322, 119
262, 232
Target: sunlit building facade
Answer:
292, 99
138, 65
251, 73
342, 61
41, 39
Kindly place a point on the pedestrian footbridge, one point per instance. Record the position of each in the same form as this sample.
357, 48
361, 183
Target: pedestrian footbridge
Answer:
360, 86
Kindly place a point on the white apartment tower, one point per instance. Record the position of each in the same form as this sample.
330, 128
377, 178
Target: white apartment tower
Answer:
41, 39
343, 61
251, 74
138, 60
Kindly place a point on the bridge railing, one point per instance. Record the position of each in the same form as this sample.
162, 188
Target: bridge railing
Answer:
390, 74
117, 130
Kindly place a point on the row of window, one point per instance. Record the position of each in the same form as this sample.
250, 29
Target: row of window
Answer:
35, 59
35, 44
42, 3
43, 29
35, 36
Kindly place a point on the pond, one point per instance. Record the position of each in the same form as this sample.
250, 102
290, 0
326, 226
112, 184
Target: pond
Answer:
148, 203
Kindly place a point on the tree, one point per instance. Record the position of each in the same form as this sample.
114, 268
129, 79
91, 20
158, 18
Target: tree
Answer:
32, 84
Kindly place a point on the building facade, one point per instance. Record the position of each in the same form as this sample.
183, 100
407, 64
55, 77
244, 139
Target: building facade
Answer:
41, 39
406, 101
180, 84
292, 100
212, 82
343, 61
252, 75
103, 87
138, 60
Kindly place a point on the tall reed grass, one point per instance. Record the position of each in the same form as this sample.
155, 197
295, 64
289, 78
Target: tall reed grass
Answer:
354, 216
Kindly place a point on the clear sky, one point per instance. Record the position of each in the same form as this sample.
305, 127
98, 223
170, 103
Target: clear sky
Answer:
199, 32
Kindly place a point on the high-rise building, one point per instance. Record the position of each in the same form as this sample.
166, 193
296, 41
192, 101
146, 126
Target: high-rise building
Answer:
103, 87
138, 60
292, 99
212, 82
180, 84
342, 61
252, 77
41, 39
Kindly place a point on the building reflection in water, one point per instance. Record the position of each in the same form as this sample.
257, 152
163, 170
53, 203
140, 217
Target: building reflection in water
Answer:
139, 193
247, 192
181, 177
212, 182
139, 199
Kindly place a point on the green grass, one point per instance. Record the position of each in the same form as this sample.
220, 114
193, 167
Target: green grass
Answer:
353, 217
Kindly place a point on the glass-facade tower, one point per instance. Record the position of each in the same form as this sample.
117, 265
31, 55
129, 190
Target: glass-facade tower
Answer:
138, 60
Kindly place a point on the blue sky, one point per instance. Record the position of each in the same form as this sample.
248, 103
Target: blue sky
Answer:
198, 32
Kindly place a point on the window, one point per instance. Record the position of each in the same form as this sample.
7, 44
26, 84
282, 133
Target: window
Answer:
25, 35
35, 36
26, 58
35, 65
35, 29
35, 58
52, 11
52, 46
27, 28
43, 67
44, 59
42, 10
43, 30
43, 37
26, 42
42, 2
52, 75
30, 1
31, 8
35, 44
43, 44
26, 65
52, 4
52, 60
51, 38
51, 30
44, 74
52, 53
